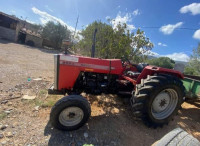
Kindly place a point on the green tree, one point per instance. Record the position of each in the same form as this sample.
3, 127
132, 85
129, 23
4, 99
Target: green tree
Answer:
114, 43
141, 46
37, 27
56, 33
193, 67
165, 62
102, 38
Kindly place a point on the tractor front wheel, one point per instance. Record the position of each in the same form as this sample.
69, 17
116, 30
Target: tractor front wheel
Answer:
70, 113
157, 99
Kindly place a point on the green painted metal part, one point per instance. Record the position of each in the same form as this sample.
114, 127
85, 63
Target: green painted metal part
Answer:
192, 87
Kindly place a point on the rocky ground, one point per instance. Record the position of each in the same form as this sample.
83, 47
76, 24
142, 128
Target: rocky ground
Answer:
25, 75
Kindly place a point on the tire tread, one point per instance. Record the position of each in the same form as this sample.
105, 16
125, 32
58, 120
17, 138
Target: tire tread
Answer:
146, 89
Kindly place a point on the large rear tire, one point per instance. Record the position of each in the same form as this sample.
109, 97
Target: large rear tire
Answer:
157, 99
177, 137
70, 113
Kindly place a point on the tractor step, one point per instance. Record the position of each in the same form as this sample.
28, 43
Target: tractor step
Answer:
52, 91
124, 93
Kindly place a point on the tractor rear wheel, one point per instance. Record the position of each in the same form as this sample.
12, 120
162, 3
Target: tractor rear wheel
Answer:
70, 113
157, 99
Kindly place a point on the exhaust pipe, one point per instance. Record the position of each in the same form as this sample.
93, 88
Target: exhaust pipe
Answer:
56, 70
93, 45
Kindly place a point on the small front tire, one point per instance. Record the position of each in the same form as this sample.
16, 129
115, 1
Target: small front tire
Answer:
70, 113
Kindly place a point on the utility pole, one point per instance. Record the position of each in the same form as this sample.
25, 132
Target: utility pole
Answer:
75, 32
76, 25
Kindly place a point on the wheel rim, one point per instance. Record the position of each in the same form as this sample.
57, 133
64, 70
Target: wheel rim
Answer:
164, 104
71, 116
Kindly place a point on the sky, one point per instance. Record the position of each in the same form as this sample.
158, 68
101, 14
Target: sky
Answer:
173, 26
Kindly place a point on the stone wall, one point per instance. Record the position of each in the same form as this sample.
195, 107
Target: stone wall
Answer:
37, 40
7, 33
48, 43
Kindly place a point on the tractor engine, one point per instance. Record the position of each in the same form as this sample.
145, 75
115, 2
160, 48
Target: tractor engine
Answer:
97, 83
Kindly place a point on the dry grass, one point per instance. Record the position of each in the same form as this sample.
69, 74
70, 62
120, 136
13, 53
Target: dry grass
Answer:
2, 116
43, 99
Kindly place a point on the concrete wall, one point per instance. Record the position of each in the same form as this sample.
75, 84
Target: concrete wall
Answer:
7, 33
18, 27
37, 40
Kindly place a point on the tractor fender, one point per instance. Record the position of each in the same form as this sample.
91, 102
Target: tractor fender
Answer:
151, 70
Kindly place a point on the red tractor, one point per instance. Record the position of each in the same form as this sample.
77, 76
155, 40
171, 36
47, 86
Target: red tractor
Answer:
156, 94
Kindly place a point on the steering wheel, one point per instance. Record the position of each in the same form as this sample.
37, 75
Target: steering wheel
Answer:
125, 61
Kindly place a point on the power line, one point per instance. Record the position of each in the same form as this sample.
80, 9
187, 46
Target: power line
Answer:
156, 27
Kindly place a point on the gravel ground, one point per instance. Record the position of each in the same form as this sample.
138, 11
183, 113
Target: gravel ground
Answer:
26, 122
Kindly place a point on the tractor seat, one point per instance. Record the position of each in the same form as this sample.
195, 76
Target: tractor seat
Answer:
141, 66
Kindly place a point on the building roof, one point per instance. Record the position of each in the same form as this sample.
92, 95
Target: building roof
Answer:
10, 16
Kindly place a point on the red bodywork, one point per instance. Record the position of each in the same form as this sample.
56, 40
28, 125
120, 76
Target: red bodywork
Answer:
70, 66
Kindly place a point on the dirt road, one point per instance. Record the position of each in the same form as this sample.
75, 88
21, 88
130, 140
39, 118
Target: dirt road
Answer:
26, 122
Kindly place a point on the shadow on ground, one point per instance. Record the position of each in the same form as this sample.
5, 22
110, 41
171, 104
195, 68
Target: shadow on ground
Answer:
195, 102
111, 123
190, 117
102, 127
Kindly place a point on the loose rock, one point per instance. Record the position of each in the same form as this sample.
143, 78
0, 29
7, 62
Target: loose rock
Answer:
7, 112
1, 135
2, 127
10, 94
37, 79
3, 142
4, 101
9, 103
37, 108
28, 97
9, 134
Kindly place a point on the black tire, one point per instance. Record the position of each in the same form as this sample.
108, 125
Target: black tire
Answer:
147, 91
178, 137
67, 102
